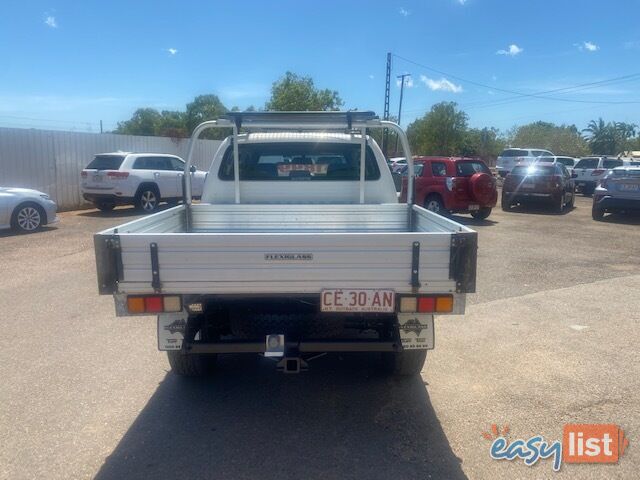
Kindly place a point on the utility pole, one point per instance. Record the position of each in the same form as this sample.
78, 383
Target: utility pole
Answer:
100, 126
387, 93
401, 77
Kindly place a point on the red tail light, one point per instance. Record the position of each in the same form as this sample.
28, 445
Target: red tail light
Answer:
597, 172
118, 174
84, 174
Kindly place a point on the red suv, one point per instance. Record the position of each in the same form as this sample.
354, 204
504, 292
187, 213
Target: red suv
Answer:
454, 185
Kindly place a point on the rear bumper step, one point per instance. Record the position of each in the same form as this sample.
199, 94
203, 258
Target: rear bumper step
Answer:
302, 347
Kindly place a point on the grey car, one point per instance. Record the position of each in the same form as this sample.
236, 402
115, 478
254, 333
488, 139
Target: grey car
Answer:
26, 210
618, 191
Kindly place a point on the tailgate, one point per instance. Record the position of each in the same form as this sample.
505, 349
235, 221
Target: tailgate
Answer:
296, 262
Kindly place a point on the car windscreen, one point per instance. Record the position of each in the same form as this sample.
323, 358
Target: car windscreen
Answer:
469, 167
631, 172
299, 161
514, 153
106, 162
587, 163
530, 171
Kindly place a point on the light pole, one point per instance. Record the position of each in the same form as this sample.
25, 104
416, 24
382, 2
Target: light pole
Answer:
401, 77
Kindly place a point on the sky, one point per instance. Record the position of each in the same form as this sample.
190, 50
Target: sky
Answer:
68, 64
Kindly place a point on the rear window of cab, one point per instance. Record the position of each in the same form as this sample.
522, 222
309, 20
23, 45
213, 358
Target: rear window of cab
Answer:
299, 161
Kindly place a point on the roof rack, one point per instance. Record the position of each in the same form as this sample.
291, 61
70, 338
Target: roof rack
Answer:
297, 121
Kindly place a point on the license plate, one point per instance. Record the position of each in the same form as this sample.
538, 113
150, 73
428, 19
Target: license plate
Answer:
474, 207
629, 187
528, 185
581, 184
97, 178
347, 300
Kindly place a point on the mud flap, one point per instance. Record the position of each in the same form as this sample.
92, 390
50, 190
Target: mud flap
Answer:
171, 328
416, 331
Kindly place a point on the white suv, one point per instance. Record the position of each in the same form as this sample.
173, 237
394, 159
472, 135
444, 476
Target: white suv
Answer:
511, 157
141, 179
590, 170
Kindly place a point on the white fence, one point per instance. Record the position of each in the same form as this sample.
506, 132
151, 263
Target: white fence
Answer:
51, 161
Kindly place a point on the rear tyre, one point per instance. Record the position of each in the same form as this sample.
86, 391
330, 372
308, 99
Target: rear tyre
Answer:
572, 202
435, 204
588, 191
190, 365
558, 207
28, 218
481, 214
105, 206
505, 203
597, 213
148, 198
405, 363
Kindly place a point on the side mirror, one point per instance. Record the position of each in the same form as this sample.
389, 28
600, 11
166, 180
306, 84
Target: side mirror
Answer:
574, 175
192, 169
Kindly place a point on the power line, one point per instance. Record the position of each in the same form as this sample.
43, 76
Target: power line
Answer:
540, 95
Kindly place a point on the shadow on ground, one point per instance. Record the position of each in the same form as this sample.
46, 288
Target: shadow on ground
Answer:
14, 233
470, 221
120, 212
339, 420
631, 218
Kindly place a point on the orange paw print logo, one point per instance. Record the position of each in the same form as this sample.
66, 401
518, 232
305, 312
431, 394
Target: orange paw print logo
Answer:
496, 432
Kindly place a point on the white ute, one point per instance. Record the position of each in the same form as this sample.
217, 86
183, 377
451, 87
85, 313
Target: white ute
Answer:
299, 247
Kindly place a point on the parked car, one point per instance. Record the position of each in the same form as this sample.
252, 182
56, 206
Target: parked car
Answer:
26, 210
590, 170
550, 183
454, 185
568, 162
282, 257
141, 179
397, 163
511, 157
618, 191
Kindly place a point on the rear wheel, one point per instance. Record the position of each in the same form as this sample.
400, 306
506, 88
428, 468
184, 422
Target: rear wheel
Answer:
405, 363
435, 204
189, 364
505, 203
559, 204
481, 214
572, 202
597, 213
28, 217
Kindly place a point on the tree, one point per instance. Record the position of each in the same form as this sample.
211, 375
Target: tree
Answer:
601, 137
485, 143
172, 124
203, 108
560, 139
296, 93
144, 121
441, 131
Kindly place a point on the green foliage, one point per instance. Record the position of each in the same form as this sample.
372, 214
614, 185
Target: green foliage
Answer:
611, 138
143, 122
203, 108
297, 93
485, 143
560, 139
441, 131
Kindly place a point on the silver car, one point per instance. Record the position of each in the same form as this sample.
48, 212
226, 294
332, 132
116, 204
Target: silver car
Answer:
26, 210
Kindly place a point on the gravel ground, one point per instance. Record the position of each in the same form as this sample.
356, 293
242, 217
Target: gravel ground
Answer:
550, 338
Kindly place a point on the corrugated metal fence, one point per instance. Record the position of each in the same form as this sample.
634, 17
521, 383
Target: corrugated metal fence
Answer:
51, 161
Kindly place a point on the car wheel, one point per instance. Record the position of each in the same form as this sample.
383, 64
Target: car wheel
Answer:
434, 204
189, 364
572, 202
481, 214
588, 191
28, 217
148, 199
559, 205
405, 363
597, 213
105, 206
504, 203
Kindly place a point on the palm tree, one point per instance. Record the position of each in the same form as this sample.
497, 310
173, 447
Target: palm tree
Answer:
601, 137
